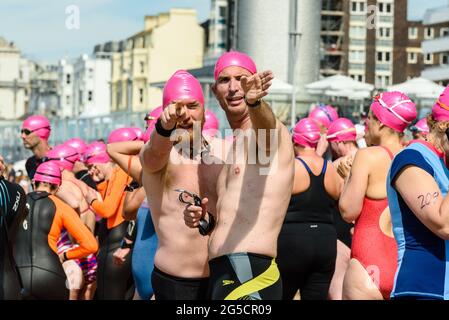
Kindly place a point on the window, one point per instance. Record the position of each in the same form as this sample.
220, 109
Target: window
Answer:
358, 6
428, 58
67, 100
412, 57
413, 33
357, 32
383, 81
428, 33
142, 67
444, 32
444, 58
385, 8
357, 56
67, 79
222, 12
141, 95
383, 56
89, 96
80, 97
384, 33
358, 77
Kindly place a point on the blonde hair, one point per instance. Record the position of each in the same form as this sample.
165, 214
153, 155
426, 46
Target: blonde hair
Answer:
433, 125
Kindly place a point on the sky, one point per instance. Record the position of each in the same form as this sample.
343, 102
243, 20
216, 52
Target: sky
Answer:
39, 28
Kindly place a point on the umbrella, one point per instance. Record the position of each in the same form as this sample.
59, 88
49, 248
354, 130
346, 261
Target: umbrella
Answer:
419, 88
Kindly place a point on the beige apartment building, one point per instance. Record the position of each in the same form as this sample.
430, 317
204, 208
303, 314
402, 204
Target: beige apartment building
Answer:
14, 81
169, 41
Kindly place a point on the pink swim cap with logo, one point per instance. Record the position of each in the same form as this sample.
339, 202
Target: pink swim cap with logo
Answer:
440, 110
306, 133
139, 133
64, 156
421, 126
96, 153
39, 125
48, 172
182, 85
324, 115
78, 144
211, 123
340, 130
121, 135
234, 58
394, 109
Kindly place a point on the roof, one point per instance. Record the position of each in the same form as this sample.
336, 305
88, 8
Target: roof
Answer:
437, 15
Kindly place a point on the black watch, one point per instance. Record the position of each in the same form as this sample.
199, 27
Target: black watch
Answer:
125, 245
253, 105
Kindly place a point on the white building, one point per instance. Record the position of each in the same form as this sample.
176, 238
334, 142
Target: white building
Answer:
14, 81
290, 34
65, 88
217, 35
44, 97
436, 45
91, 85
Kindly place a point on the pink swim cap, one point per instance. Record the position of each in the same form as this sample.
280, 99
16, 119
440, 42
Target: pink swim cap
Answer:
139, 133
122, 134
182, 85
96, 153
440, 110
211, 124
306, 133
394, 109
341, 129
48, 172
152, 116
324, 115
78, 144
39, 125
234, 58
64, 156
421, 126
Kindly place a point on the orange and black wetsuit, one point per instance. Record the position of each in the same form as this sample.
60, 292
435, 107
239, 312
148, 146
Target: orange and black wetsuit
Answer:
36, 251
113, 282
12, 213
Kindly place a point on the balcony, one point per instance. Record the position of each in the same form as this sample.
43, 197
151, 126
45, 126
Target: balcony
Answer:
384, 43
437, 73
332, 13
356, 66
383, 67
336, 33
436, 45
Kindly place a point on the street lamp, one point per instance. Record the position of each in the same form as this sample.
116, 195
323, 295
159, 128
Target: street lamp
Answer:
295, 37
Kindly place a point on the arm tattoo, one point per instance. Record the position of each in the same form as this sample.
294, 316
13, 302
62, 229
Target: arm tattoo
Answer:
428, 199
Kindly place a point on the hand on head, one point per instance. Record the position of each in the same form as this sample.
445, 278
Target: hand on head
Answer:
256, 86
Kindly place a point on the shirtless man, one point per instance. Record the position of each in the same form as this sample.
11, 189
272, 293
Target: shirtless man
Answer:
180, 263
35, 133
252, 198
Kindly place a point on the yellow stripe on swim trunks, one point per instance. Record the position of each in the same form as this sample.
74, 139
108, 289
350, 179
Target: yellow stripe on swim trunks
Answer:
262, 281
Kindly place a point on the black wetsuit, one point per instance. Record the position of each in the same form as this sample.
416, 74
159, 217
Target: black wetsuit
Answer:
84, 176
31, 166
41, 270
114, 282
307, 243
12, 213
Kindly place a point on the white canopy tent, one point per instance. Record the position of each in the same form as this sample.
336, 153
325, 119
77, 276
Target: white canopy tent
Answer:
425, 91
340, 86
